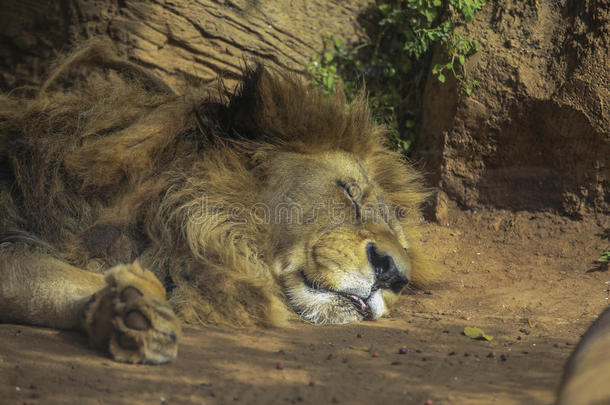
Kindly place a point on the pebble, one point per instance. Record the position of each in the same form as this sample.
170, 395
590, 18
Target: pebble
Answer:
375, 354
403, 350
279, 365
503, 357
492, 355
311, 383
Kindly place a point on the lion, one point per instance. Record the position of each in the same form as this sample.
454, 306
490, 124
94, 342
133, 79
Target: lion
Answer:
127, 210
586, 373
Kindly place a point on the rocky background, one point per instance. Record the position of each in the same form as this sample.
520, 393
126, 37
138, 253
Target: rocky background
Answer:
534, 136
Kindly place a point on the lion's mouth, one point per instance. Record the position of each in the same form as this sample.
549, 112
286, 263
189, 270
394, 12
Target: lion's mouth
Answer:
359, 302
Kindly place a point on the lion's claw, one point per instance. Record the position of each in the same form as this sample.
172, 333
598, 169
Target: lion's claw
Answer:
132, 319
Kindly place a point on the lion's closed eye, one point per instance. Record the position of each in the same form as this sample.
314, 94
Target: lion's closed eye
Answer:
354, 192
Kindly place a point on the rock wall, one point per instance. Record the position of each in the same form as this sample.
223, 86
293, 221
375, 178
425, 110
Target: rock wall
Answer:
536, 134
180, 40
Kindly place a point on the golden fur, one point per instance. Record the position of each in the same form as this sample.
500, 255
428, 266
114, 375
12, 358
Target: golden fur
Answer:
247, 208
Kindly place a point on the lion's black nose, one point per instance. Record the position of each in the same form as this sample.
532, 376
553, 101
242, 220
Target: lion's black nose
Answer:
386, 272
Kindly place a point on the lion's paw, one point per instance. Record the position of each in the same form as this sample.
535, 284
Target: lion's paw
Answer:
131, 317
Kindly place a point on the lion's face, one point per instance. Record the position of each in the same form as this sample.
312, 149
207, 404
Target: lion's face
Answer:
339, 250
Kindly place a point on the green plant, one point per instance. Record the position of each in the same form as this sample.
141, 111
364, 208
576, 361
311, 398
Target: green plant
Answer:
395, 61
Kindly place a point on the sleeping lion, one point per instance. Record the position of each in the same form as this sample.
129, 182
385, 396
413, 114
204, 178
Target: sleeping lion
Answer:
126, 209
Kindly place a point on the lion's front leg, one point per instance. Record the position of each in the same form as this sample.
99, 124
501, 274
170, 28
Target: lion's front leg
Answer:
131, 317
123, 311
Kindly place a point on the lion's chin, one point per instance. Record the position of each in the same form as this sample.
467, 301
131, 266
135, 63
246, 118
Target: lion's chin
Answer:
328, 307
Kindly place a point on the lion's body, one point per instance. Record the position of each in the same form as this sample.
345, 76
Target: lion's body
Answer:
197, 188
585, 374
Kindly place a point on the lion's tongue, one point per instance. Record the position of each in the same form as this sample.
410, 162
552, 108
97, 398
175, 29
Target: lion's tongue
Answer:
360, 301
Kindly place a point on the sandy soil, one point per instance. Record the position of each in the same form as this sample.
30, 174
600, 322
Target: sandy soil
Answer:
525, 278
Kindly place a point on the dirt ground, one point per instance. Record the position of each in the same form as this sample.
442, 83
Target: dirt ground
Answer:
528, 279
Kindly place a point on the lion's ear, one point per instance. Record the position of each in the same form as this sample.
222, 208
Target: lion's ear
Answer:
245, 103
260, 102
271, 105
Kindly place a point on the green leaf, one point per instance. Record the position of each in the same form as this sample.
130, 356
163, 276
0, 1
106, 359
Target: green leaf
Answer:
462, 59
361, 348
476, 333
338, 44
441, 78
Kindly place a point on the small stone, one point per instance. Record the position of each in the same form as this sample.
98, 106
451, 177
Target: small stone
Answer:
359, 335
492, 355
311, 383
375, 354
279, 365
466, 354
428, 402
556, 346
396, 363
417, 351
403, 350
503, 357
428, 292
451, 354
524, 331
